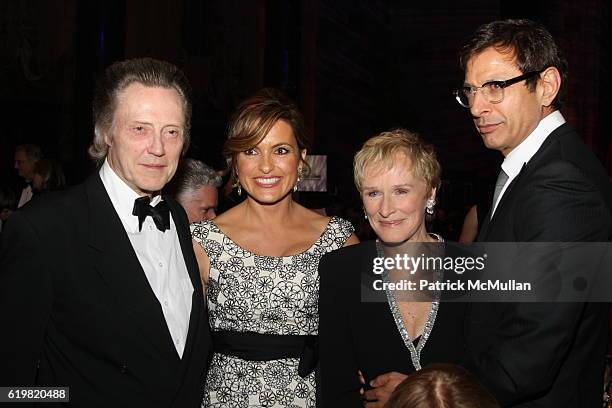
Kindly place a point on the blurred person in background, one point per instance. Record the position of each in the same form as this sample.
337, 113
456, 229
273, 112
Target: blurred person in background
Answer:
475, 216
8, 204
26, 156
195, 186
48, 176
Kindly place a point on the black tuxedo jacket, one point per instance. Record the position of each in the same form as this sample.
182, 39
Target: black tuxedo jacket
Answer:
545, 354
77, 310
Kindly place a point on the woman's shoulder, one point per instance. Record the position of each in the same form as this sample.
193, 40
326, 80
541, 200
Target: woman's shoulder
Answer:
335, 232
342, 225
338, 226
201, 230
312, 218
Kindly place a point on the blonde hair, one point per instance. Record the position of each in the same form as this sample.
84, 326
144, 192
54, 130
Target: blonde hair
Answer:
381, 150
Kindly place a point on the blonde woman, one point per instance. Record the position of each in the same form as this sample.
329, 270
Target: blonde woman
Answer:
383, 337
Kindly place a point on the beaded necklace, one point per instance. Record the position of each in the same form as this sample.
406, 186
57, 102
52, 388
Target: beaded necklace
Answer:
415, 352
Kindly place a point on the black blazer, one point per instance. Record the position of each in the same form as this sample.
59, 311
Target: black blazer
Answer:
544, 354
356, 335
77, 310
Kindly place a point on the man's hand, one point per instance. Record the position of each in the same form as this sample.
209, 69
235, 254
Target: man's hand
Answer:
383, 385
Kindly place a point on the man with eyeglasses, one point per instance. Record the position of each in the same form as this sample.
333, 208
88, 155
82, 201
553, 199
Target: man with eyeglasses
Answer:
550, 188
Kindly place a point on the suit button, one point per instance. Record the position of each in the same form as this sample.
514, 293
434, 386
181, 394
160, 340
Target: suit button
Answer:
124, 368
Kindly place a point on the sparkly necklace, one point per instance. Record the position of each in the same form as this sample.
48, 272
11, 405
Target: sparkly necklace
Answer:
415, 352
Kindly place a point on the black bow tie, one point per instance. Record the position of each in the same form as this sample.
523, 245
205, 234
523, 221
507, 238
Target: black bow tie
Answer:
160, 213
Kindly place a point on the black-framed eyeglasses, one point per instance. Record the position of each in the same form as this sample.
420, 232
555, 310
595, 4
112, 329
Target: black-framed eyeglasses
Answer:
492, 91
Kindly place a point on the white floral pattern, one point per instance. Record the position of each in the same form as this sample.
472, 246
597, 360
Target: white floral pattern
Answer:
262, 294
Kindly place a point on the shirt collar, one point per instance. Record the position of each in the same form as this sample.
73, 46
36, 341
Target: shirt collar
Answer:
513, 163
122, 196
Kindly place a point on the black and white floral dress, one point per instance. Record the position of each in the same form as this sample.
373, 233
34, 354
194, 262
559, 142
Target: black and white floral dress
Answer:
268, 295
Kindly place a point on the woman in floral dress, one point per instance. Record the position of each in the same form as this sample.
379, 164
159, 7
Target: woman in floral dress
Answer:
259, 264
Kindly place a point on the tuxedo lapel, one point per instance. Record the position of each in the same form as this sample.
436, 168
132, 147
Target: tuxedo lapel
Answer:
503, 201
115, 260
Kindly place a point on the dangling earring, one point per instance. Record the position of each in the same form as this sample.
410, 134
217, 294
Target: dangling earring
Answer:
237, 183
299, 178
365, 214
431, 203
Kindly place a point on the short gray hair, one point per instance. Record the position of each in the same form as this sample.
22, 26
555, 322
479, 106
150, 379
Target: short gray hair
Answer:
191, 175
120, 75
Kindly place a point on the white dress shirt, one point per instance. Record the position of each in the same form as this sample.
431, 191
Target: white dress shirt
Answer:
513, 163
26, 195
159, 254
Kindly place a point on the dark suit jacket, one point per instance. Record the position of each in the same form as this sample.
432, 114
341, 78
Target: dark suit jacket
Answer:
77, 310
358, 333
545, 354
